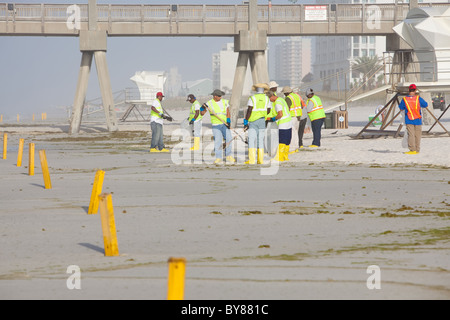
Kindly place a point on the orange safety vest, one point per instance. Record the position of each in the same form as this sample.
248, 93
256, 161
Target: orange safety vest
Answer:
413, 106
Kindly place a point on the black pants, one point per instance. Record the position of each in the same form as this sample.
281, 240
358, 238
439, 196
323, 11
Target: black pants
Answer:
301, 130
316, 127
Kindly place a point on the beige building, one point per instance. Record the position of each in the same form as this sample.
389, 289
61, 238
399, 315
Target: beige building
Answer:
293, 60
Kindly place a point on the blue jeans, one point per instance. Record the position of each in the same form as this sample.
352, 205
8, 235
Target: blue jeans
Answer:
316, 127
157, 135
256, 132
220, 132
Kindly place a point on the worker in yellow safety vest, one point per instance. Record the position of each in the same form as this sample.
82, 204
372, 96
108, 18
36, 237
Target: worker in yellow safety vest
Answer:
295, 104
195, 120
221, 122
156, 124
254, 121
284, 121
316, 114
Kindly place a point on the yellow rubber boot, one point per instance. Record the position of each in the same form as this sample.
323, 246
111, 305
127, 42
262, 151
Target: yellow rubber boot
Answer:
196, 144
278, 156
251, 156
260, 156
286, 153
230, 160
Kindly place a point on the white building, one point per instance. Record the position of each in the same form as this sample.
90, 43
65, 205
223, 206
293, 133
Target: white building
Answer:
224, 68
334, 55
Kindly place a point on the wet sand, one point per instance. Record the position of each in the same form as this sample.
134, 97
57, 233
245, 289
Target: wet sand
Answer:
309, 231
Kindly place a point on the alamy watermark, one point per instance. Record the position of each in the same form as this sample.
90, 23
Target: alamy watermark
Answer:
74, 17
74, 280
374, 280
182, 153
373, 20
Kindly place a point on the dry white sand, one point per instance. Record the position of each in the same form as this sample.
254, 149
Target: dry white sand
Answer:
309, 231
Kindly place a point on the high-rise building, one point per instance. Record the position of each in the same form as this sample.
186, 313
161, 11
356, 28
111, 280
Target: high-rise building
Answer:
293, 60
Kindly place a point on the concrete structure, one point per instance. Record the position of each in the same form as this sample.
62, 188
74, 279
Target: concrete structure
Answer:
93, 44
248, 24
199, 20
223, 65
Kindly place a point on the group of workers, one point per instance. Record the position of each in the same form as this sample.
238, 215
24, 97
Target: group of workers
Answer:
263, 107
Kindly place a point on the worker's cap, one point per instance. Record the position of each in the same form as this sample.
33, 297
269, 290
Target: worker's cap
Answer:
218, 93
287, 89
412, 87
309, 91
273, 84
190, 96
263, 86
159, 94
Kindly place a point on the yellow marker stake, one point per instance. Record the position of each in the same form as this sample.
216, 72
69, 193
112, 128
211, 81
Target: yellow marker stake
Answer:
108, 225
20, 153
5, 145
18, 117
1, 118
96, 191
177, 270
31, 160
47, 182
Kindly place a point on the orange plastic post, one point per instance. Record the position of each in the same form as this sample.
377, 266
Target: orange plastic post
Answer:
108, 225
96, 191
31, 159
44, 165
5, 145
20, 153
177, 271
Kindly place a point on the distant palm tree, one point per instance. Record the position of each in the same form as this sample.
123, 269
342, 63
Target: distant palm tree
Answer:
367, 67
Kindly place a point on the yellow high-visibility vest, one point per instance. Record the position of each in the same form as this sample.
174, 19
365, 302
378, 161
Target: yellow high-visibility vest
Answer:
317, 112
219, 110
192, 113
259, 109
296, 104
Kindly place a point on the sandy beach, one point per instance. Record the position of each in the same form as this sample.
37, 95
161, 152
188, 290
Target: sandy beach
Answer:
308, 228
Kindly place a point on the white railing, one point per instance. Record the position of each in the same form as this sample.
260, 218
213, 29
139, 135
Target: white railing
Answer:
202, 13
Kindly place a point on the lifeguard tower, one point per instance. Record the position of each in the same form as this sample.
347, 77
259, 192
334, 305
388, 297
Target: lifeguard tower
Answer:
139, 99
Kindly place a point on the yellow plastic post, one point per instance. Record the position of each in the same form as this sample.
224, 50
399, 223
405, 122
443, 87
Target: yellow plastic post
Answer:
47, 182
96, 191
177, 271
1, 118
18, 117
108, 225
5, 145
20, 153
31, 160
33, 117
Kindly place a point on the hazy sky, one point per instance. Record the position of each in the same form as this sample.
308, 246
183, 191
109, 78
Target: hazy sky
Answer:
39, 74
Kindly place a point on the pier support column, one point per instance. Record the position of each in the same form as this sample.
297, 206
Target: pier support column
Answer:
93, 44
251, 45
